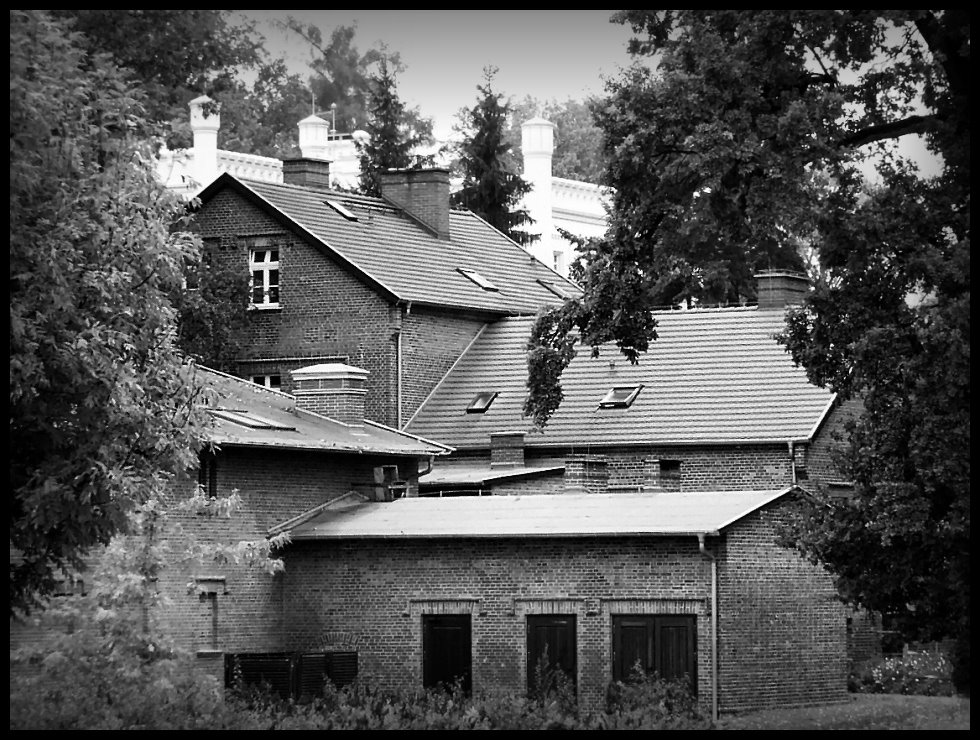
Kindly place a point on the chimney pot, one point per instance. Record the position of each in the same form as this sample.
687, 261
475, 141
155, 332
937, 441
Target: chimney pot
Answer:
332, 389
781, 288
423, 194
308, 172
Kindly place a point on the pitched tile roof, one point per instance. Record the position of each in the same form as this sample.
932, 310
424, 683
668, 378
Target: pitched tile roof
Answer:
246, 414
555, 515
392, 251
712, 376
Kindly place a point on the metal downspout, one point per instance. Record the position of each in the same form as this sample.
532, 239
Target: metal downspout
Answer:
714, 627
398, 379
792, 462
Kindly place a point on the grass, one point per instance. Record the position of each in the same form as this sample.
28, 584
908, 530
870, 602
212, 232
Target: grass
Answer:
862, 712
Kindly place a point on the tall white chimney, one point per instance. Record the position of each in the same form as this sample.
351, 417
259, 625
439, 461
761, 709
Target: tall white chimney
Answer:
538, 147
204, 166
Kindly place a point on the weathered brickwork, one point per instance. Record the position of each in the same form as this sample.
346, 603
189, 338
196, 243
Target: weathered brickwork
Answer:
327, 314
821, 465
275, 485
782, 628
777, 613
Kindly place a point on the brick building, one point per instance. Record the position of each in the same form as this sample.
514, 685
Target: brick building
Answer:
436, 307
398, 286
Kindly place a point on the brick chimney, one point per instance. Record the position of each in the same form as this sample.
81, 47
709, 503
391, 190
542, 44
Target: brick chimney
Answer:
306, 171
507, 449
332, 389
781, 288
423, 194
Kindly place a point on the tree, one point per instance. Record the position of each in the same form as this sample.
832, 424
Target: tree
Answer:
746, 144
491, 186
175, 55
103, 406
391, 141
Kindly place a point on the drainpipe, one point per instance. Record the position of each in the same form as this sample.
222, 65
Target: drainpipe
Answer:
792, 462
714, 627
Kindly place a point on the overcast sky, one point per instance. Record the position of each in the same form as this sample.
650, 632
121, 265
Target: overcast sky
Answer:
547, 54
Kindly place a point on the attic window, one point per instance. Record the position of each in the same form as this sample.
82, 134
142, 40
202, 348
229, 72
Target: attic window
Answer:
250, 420
341, 209
478, 279
554, 287
481, 402
620, 397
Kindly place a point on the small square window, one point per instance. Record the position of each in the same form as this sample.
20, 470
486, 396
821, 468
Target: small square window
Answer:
554, 287
620, 397
481, 402
341, 209
670, 469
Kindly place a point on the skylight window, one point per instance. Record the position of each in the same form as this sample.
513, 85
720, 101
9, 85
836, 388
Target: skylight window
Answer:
620, 397
481, 402
341, 209
554, 288
250, 420
478, 279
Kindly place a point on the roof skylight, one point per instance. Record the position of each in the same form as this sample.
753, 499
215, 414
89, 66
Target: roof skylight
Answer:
620, 397
554, 287
341, 209
250, 420
478, 279
481, 402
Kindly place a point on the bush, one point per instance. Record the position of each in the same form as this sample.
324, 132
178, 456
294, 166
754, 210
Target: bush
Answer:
922, 674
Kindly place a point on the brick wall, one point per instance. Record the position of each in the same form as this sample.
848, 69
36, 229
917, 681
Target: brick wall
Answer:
821, 466
327, 314
782, 628
782, 632
275, 486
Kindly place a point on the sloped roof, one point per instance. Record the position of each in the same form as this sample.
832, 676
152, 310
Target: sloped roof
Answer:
478, 474
554, 515
246, 414
712, 376
392, 251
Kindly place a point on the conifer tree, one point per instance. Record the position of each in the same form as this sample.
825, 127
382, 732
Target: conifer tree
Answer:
492, 188
391, 141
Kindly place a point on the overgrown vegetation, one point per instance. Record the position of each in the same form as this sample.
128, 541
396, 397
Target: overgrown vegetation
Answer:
915, 673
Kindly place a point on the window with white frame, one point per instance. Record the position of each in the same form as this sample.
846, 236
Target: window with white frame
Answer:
269, 381
263, 264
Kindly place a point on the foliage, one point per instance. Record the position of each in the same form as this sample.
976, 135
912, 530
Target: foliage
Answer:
491, 187
106, 664
213, 311
102, 405
364, 705
174, 55
649, 702
919, 673
391, 140
749, 142
578, 141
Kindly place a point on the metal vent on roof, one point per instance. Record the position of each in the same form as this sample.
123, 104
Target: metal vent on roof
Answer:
620, 397
341, 209
250, 420
478, 279
481, 402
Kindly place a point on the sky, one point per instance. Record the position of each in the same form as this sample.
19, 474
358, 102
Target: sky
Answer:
546, 54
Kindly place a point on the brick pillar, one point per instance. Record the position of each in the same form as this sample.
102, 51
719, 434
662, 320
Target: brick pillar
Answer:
507, 450
586, 474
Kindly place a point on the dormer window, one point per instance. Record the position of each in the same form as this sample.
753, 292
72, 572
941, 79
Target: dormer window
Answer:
264, 266
478, 279
620, 397
341, 209
481, 402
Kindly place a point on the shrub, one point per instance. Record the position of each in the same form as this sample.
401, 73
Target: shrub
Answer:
922, 674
